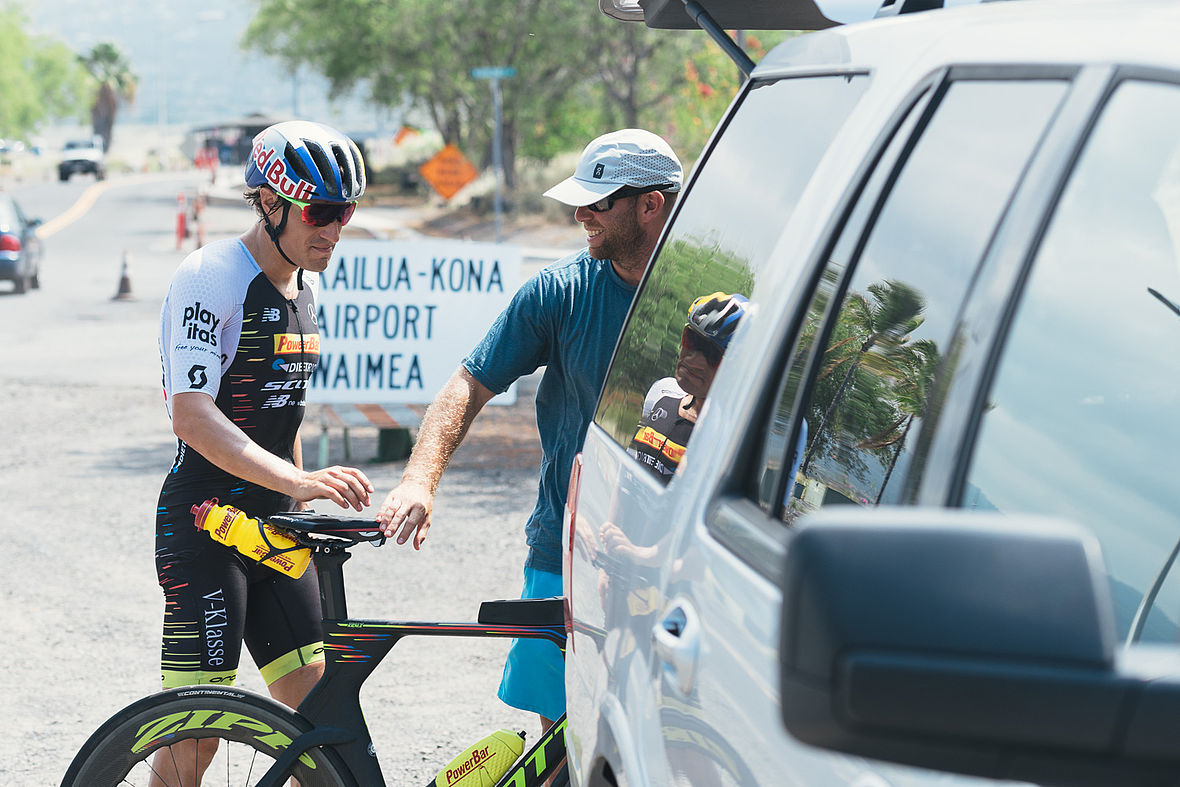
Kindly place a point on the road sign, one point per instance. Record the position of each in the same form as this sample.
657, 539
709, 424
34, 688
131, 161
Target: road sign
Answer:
493, 72
448, 171
396, 317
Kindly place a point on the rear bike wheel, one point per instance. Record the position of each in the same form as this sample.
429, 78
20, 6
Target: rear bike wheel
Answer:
252, 731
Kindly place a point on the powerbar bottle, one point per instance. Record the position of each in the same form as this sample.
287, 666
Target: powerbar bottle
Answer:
233, 528
484, 763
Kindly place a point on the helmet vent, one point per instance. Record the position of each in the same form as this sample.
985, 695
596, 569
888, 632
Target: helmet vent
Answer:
295, 162
347, 171
324, 166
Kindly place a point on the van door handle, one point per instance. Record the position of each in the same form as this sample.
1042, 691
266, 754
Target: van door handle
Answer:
677, 641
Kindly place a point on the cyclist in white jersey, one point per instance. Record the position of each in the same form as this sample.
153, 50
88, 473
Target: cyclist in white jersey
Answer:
238, 344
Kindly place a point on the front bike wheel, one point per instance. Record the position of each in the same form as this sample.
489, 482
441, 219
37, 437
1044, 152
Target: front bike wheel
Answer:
252, 731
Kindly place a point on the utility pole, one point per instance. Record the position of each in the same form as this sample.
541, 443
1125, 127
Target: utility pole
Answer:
494, 75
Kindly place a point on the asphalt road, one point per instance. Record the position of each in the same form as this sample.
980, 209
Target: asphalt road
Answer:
84, 445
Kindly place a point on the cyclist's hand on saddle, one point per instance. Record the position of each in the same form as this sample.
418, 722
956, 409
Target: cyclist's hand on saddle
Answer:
344, 486
407, 508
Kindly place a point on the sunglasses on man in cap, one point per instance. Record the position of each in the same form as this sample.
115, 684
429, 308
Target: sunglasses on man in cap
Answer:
608, 202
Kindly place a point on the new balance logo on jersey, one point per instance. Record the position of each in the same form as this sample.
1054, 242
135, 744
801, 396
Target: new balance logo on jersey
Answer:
279, 400
272, 314
200, 324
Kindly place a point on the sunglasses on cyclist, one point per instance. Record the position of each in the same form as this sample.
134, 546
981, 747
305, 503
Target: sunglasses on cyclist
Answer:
691, 340
608, 202
321, 214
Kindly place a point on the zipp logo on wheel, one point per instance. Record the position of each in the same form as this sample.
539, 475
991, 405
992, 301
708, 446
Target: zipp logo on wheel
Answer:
169, 725
196, 376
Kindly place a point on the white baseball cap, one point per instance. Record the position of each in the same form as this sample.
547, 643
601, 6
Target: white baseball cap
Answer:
630, 157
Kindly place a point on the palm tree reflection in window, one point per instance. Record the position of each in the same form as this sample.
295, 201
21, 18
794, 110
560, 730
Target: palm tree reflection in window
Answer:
873, 381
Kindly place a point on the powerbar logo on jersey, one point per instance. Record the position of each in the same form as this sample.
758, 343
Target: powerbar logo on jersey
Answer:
294, 343
200, 324
275, 172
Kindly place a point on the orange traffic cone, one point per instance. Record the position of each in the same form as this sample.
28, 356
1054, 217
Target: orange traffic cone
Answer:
124, 293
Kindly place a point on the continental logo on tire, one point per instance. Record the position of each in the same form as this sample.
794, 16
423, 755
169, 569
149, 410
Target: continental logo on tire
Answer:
294, 343
261, 734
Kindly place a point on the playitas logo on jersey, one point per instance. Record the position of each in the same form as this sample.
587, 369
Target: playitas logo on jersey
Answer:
200, 324
294, 343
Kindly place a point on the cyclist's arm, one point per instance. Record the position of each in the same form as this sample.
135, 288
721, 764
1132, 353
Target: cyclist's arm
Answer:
443, 427
297, 460
197, 421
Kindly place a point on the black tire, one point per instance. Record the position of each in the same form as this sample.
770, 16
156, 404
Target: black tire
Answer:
120, 752
20, 284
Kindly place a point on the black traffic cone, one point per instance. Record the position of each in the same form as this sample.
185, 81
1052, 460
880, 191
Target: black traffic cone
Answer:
124, 293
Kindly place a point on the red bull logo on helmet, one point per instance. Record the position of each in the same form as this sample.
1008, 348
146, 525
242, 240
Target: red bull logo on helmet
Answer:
275, 172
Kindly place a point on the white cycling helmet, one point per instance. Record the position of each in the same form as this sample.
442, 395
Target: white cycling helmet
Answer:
306, 161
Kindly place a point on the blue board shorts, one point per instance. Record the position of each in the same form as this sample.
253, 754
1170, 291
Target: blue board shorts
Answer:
534, 673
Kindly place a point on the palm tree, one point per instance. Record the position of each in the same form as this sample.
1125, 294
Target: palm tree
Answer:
883, 319
919, 361
111, 70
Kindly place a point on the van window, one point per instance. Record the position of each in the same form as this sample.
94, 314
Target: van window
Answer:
723, 234
1081, 420
911, 265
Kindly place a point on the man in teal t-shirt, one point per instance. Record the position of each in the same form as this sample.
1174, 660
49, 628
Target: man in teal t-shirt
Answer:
567, 318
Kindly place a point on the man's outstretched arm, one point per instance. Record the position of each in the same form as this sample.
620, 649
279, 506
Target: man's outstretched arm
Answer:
446, 422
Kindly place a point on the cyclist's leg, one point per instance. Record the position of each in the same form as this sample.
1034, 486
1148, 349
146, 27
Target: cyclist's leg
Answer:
204, 586
284, 632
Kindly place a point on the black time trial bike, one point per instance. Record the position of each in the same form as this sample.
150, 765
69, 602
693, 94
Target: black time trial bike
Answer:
326, 742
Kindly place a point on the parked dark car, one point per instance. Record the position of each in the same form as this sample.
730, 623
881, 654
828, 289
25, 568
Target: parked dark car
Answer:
20, 248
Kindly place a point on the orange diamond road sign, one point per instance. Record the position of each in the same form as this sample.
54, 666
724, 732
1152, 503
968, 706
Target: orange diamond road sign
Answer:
448, 171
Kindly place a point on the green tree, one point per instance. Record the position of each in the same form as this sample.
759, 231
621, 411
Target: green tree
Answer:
111, 70
871, 329
40, 79
917, 364
707, 80
578, 73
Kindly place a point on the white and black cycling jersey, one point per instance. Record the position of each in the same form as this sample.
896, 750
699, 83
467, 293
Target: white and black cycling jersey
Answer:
227, 332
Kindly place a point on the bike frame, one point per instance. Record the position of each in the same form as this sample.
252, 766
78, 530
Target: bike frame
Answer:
354, 648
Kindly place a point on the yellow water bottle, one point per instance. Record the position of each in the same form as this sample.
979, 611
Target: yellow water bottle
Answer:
250, 537
484, 763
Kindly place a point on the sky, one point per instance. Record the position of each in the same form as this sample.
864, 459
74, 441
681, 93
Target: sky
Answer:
189, 65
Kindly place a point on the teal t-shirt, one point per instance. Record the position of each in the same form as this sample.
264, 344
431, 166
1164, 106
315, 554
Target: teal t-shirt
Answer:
567, 318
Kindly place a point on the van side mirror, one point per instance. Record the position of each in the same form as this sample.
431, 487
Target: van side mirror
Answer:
974, 643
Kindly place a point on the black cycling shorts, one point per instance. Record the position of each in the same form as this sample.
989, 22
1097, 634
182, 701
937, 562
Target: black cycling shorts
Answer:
215, 598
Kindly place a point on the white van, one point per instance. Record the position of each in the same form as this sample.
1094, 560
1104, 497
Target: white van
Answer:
925, 523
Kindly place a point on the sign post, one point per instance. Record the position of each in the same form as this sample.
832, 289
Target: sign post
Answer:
494, 75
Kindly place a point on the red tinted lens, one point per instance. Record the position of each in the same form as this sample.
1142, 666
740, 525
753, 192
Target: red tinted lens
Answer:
692, 340
321, 214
